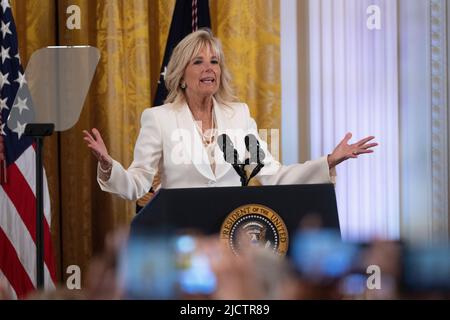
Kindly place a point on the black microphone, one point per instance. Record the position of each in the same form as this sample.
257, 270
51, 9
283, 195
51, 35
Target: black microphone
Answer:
229, 152
231, 156
257, 154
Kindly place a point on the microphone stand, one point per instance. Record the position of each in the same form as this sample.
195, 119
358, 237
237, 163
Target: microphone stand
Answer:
255, 171
240, 169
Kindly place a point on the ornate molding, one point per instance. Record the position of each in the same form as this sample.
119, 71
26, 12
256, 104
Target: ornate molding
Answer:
439, 120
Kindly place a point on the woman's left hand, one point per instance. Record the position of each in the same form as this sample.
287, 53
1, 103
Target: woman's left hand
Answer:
344, 151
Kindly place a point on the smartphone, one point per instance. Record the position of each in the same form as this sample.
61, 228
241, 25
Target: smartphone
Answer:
194, 273
164, 267
426, 269
321, 254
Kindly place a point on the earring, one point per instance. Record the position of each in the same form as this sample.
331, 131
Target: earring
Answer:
183, 86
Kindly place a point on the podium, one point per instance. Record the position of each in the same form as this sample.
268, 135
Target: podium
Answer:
269, 215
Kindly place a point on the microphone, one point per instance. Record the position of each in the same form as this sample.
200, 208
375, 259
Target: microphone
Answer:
257, 154
231, 156
229, 152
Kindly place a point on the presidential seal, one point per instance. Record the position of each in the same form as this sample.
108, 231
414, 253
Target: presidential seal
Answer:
255, 225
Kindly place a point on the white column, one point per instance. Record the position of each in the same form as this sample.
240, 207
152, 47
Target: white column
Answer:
439, 117
424, 120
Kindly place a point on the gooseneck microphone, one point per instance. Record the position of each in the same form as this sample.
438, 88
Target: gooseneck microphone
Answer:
257, 154
232, 157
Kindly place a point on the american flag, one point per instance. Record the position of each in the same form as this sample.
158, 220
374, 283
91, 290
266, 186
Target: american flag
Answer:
17, 179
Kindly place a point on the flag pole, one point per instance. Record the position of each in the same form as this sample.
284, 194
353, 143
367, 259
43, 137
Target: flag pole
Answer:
38, 131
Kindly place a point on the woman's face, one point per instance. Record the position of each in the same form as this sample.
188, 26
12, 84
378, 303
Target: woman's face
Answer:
202, 75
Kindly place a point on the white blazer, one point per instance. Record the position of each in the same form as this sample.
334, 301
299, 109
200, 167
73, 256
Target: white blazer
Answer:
169, 142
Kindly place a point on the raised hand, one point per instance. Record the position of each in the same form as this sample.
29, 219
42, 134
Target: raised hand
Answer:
98, 148
344, 151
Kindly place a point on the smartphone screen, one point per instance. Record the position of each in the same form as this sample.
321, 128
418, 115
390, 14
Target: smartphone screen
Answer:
165, 267
426, 269
321, 254
195, 276
147, 269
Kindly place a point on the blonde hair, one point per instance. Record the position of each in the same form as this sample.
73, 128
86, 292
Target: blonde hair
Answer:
183, 53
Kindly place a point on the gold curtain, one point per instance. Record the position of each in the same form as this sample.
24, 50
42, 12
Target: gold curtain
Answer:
250, 34
131, 36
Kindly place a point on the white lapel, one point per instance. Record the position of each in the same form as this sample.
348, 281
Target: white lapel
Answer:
194, 150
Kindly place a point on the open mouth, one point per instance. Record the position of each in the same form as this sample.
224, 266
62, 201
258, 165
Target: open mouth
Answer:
207, 80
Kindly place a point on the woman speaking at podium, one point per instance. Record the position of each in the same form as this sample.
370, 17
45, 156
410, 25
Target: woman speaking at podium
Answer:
185, 139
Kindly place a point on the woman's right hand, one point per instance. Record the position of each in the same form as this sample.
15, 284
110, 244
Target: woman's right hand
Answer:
98, 148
